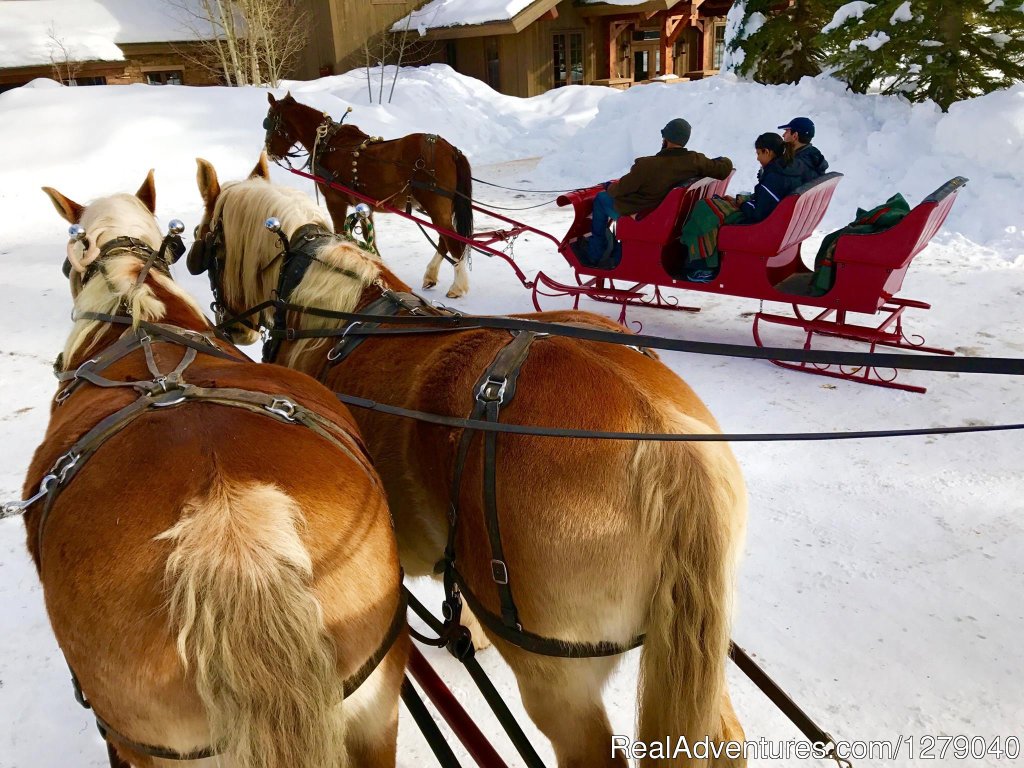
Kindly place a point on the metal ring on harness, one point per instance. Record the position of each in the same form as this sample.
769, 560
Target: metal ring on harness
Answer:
282, 407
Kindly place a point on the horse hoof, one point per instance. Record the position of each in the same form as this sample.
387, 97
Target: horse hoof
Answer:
454, 294
429, 284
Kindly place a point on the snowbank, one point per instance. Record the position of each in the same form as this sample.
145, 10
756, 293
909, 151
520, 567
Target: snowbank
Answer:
585, 134
882, 144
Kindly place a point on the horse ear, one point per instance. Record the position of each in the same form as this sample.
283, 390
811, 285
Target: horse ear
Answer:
270, 98
147, 192
209, 186
66, 207
262, 170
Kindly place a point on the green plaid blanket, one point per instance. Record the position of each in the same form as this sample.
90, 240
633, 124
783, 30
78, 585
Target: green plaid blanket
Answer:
700, 233
881, 217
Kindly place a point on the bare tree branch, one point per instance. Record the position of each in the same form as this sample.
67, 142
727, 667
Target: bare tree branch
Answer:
64, 67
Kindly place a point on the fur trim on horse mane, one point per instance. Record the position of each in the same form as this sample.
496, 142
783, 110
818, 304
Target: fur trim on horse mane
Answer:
104, 220
251, 272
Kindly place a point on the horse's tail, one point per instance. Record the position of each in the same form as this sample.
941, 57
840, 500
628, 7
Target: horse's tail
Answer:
694, 507
463, 196
251, 632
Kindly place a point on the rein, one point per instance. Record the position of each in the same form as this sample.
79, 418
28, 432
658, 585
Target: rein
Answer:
454, 321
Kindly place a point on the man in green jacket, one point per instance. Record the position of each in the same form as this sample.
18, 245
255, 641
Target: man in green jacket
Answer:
649, 181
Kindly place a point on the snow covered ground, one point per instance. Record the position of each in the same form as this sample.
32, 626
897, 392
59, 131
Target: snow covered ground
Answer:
882, 579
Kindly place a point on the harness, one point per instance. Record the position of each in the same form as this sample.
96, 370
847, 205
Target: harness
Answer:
494, 390
299, 253
167, 390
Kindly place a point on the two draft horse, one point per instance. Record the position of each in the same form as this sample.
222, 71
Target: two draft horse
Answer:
217, 557
421, 168
602, 540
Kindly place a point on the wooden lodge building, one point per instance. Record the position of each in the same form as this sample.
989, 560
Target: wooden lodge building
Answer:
518, 47
544, 44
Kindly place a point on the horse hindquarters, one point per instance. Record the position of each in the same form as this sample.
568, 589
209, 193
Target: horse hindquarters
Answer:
251, 631
692, 502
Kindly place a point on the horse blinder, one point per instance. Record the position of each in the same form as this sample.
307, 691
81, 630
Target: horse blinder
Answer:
203, 250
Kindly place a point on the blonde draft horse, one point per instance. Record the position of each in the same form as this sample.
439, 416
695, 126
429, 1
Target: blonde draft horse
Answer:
418, 168
603, 539
212, 574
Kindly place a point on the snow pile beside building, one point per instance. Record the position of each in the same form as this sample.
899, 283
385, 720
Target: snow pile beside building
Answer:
882, 144
585, 134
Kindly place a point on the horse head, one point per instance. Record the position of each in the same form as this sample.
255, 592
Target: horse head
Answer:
118, 263
209, 253
244, 257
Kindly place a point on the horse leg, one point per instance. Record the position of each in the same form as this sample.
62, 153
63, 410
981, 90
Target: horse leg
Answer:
337, 206
440, 211
430, 276
371, 713
563, 698
472, 623
731, 731
461, 285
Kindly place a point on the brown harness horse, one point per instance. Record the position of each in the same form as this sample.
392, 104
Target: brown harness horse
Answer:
215, 549
557, 544
420, 167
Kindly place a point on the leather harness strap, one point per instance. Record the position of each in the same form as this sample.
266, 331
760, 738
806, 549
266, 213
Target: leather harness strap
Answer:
493, 390
347, 344
299, 254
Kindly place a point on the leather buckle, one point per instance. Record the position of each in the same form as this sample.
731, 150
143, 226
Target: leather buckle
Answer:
499, 571
492, 390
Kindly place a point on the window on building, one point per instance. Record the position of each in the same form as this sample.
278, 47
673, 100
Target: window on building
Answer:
646, 34
87, 80
567, 58
451, 57
492, 64
165, 77
719, 49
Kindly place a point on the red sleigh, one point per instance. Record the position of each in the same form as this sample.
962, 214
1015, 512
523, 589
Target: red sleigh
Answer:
763, 261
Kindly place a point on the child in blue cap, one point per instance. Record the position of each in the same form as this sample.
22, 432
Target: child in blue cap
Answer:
797, 134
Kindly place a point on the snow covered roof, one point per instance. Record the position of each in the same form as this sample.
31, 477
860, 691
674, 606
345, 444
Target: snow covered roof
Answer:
512, 15
33, 31
639, 5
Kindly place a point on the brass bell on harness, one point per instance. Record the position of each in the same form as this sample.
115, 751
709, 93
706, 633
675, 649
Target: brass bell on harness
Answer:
356, 153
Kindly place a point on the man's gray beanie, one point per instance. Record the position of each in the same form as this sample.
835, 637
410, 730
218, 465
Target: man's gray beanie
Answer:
677, 131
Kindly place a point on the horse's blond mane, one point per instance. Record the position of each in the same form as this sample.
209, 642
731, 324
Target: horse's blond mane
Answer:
104, 220
251, 271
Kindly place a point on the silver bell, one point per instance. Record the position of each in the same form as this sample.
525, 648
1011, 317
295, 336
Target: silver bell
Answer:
273, 224
363, 210
76, 233
175, 227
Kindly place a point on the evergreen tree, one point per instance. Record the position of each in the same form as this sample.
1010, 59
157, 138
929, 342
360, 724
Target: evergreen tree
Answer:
779, 40
943, 50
